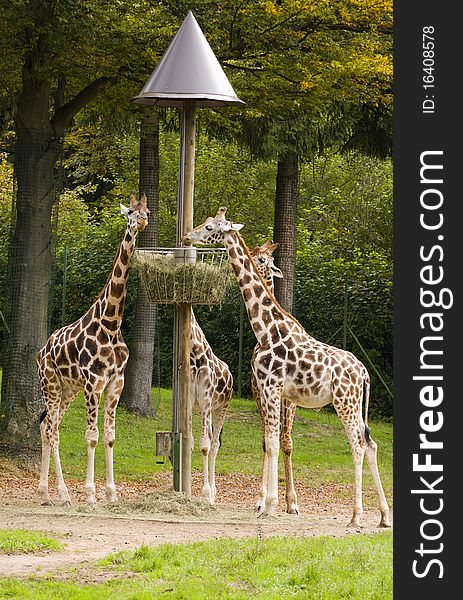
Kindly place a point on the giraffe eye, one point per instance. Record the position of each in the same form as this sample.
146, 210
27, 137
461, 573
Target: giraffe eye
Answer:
262, 260
130, 211
209, 227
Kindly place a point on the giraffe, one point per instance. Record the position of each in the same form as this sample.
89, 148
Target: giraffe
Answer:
89, 355
211, 390
292, 364
263, 259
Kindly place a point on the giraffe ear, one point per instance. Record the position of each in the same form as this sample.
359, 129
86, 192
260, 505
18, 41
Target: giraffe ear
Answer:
124, 210
276, 272
272, 247
256, 251
236, 226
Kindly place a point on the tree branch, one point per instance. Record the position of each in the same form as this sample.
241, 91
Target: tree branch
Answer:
67, 112
357, 28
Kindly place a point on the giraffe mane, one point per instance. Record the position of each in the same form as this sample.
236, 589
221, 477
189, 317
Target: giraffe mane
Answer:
108, 279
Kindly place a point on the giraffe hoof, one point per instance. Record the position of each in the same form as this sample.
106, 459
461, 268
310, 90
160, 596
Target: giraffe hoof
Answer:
66, 503
47, 502
267, 515
292, 508
354, 523
384, 524
293, 511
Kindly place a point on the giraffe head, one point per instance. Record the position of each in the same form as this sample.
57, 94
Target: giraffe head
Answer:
263, 258
137, 213
214, 230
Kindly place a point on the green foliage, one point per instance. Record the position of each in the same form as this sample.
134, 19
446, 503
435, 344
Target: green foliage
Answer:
315, 568
92, 241
345, 239
312, 73
22, 541
344, 229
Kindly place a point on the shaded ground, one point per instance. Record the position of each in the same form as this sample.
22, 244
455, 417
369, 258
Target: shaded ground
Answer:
149, 513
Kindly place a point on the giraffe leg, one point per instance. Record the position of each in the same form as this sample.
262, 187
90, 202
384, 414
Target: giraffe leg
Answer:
260, 503
371, 451
45, 432
44, 468
358, 454
219, 418
53, 396
205, 447
286, 442
50, 396
67, 397
112, 395
92, 401
271, 410
50, 443
357, 443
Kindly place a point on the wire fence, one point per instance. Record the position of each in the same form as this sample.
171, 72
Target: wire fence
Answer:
228, 331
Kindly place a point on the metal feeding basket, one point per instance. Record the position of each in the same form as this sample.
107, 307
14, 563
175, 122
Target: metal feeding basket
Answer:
183, 275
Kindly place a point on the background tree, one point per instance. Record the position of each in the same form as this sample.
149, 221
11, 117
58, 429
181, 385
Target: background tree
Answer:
138, 379
307, 67
66, 53
316, 77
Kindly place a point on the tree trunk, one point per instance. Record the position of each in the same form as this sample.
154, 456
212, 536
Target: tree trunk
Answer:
29, 265
284, 232
138, 377
37, 146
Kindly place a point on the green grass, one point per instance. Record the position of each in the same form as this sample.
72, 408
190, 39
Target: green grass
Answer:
22, 541
321, 452
315, 568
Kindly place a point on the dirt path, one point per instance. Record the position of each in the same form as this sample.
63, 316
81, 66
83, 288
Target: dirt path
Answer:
88, 536
149, 513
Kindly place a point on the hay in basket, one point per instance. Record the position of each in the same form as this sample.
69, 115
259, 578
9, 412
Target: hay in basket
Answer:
167, 282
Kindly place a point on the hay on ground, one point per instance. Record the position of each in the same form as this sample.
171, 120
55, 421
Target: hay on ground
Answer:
173, 503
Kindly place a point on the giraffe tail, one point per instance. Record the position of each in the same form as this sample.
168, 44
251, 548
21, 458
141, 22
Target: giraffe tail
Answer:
366, 397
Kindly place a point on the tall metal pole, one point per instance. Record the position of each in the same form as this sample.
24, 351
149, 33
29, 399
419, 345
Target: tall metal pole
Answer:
182, 419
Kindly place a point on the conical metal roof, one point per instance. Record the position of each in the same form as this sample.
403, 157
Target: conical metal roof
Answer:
188, 70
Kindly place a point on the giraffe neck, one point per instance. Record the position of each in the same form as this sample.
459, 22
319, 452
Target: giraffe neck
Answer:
268, 280
110, 304
261, 305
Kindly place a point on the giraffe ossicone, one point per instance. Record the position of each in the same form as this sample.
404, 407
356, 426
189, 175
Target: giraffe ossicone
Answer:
89, 355
292, 365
